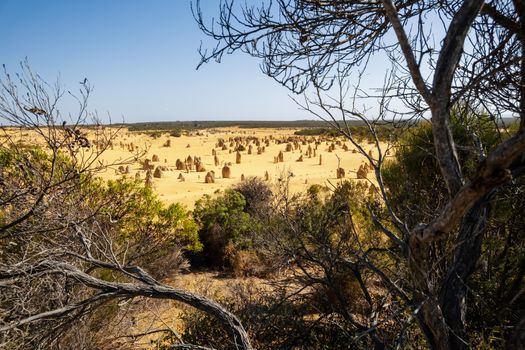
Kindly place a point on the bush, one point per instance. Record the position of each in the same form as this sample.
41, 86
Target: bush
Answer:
117, 221
176, 132
247, 263
257, 195
413, 178
225, 227
273, 319
152, 231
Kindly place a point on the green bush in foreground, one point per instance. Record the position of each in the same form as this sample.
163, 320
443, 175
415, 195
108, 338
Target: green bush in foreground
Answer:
224, 226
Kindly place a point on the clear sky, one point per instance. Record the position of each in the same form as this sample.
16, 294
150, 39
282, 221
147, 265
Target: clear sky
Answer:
141, 58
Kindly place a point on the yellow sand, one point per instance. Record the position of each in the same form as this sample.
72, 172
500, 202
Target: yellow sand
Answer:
201, 143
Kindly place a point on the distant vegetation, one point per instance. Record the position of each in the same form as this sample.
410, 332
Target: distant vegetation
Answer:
359, 130
307, 128
205, 124
197, 125
317, 132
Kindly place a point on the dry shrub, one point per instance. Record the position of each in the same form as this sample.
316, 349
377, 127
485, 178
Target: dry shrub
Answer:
216, 250
257, 194
272, 320
169, 264
340, 291
247, 263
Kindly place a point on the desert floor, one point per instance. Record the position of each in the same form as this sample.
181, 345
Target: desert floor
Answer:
125, 145
171, 189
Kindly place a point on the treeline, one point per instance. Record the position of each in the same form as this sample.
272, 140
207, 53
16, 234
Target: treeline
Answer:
197, 125
358, 129
385, 132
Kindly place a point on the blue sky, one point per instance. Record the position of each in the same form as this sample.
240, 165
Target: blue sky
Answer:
141, 57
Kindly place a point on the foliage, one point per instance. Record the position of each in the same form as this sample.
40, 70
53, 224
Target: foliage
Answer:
122, 218
308, 306
317, 132
361, 132
416, 191
176, 132
275, 321
208, 124
225, 227
141, 221
231, 226
499, 302
413, 178
257, 194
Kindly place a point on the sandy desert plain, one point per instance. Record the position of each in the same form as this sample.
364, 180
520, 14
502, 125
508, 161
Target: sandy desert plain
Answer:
201, 144
204, 143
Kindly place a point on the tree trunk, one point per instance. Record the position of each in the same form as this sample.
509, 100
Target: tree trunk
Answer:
454, 287
429, 316
442, 319
432, 323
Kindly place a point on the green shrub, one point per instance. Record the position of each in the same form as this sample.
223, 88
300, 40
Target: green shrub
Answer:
119, 221
139, 219
413, 179
224, 227
417, 191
